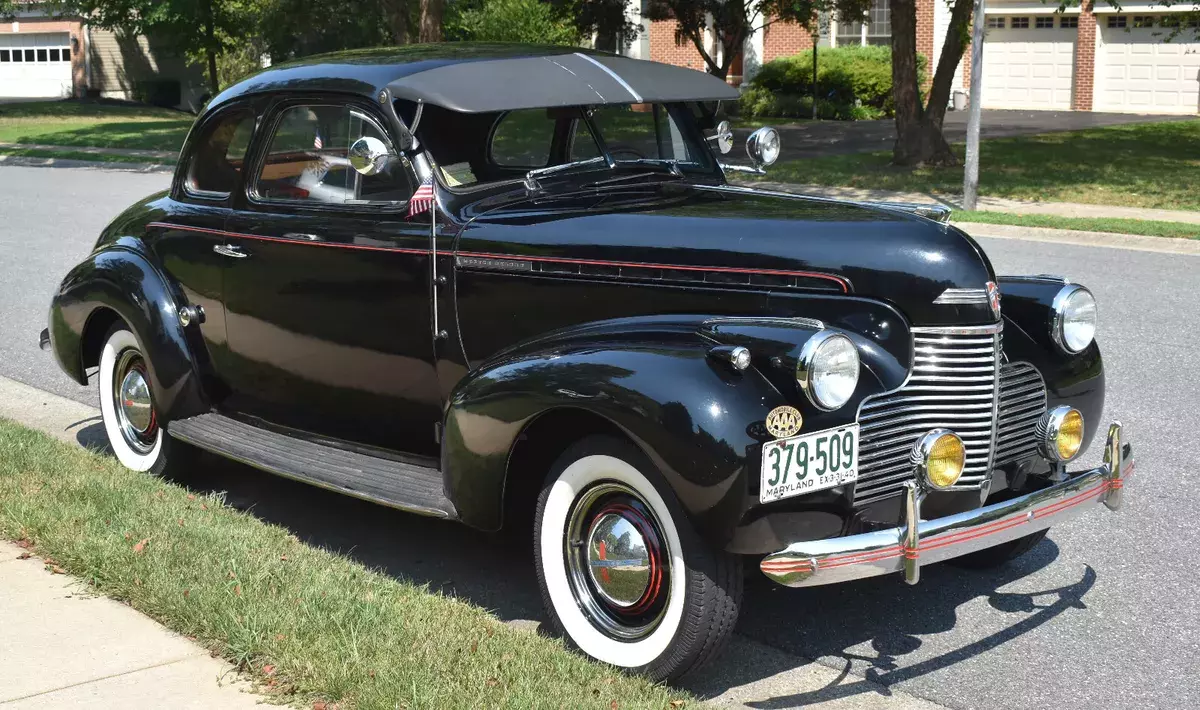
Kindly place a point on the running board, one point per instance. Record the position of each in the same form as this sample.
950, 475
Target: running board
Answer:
406, 486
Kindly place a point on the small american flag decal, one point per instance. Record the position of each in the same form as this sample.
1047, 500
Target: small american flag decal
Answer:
422, 199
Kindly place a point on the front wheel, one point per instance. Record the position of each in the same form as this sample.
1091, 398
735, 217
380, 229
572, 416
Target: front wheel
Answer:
127, 406
625, 578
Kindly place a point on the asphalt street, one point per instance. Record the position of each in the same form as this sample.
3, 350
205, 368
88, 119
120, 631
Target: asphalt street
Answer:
1101, 614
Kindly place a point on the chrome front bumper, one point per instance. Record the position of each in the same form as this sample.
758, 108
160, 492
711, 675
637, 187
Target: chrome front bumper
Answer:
921, 542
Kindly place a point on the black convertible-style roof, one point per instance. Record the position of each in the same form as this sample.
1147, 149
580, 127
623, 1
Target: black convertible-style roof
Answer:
481, 78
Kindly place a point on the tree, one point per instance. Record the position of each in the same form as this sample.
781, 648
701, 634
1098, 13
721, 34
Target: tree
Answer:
527, 21
606, 20
732, 21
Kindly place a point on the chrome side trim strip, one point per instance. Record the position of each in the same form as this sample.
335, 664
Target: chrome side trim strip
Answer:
989, 329
916, 542
962, 296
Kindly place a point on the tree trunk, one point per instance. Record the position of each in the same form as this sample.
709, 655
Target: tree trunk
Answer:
431, 20
919, 139
210, 31
397, 19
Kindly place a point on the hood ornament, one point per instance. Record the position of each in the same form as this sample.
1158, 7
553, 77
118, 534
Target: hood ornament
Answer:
993, 297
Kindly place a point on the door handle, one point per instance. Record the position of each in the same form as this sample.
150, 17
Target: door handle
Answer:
230, 250
301, 236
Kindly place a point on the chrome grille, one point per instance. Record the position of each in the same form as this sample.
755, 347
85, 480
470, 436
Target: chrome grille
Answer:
953, 385
1022, 402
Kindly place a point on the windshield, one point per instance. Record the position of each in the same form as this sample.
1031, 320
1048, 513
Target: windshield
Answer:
648, 138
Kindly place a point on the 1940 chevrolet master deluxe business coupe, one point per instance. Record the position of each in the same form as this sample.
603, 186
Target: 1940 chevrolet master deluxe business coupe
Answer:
507, 283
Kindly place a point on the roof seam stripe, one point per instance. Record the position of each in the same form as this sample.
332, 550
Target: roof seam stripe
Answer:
568, 70
636, 96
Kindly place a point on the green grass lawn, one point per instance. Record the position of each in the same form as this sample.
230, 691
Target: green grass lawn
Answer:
1142, 227
93, 123
306, 624
1138, 165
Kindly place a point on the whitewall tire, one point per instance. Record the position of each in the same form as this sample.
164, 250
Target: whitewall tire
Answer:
625, 578
127, 406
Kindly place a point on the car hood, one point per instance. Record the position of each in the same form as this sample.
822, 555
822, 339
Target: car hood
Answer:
869, 251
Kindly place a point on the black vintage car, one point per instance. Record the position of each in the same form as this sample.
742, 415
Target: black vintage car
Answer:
506, 284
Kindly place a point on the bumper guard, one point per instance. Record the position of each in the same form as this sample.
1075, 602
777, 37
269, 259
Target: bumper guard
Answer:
921, 542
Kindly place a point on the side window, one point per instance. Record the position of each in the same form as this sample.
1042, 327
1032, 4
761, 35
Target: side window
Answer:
522, 139
220, 155
308, 160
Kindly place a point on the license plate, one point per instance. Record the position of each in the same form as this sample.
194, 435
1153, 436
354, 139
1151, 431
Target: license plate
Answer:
808, 463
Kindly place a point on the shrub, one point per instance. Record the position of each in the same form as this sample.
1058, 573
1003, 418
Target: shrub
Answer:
846, 76
757, 102
530, 21
167, 93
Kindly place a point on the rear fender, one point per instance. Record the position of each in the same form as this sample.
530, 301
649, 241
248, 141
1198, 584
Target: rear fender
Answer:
121, 277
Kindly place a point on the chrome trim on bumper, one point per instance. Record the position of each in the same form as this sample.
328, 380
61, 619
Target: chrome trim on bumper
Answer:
921, 542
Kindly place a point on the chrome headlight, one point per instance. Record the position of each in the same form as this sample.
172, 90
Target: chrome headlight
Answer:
1060, 434
1074, 322
828, 369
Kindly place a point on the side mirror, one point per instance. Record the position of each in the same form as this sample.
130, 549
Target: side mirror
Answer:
369, 155
763, 146
723, 137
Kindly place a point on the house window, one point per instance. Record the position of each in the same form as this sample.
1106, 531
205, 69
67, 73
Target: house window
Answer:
54, 55
66, 55
1143, 20
995, 23
1068, 22
874, 28
1116, 21
42, 55
29, 55
1044, 23
16, 55
4, 55
1020, 23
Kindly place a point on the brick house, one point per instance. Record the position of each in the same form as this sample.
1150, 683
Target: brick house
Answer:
43, 56
1093, 57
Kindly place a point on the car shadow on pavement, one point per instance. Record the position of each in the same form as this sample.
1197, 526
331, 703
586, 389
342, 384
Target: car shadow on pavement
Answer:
496, 571
873, 628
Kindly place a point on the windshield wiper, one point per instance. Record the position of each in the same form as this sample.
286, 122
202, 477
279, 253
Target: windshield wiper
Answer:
531, 177
632, 176
671, 165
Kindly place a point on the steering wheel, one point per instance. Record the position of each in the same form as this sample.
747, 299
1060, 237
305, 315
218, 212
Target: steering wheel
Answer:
627, 150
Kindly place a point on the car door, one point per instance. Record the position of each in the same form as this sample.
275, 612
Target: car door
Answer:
327, 286
184, 234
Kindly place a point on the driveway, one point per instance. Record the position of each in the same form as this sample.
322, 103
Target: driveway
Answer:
1101, 614
810, 139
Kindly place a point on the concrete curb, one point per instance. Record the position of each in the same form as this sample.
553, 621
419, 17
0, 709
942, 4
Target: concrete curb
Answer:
96, 150
31, 162
735, 681
1163, 245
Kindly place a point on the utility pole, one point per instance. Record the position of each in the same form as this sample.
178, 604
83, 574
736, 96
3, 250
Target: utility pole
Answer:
971, 172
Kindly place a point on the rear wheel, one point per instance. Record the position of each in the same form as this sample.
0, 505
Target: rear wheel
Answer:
127, 406
1000, 554
625, 578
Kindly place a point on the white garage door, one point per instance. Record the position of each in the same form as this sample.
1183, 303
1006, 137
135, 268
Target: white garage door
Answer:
1026, 66
35, 65
1139, 72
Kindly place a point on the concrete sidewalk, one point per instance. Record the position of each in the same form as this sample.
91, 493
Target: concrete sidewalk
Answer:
95, 150
63, 647
986, 204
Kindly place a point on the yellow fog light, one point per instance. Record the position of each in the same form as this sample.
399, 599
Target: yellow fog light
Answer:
939, 458
1060, 434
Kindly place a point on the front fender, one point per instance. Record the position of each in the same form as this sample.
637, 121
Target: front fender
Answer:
701, 422
1077, 380
122, 277
688, 413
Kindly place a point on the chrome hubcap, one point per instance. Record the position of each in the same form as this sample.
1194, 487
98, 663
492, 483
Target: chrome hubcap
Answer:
619, 566
133, 404
618, 561
135, 401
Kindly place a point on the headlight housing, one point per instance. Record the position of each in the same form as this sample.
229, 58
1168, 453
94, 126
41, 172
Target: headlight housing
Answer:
828, 370
1074, 321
